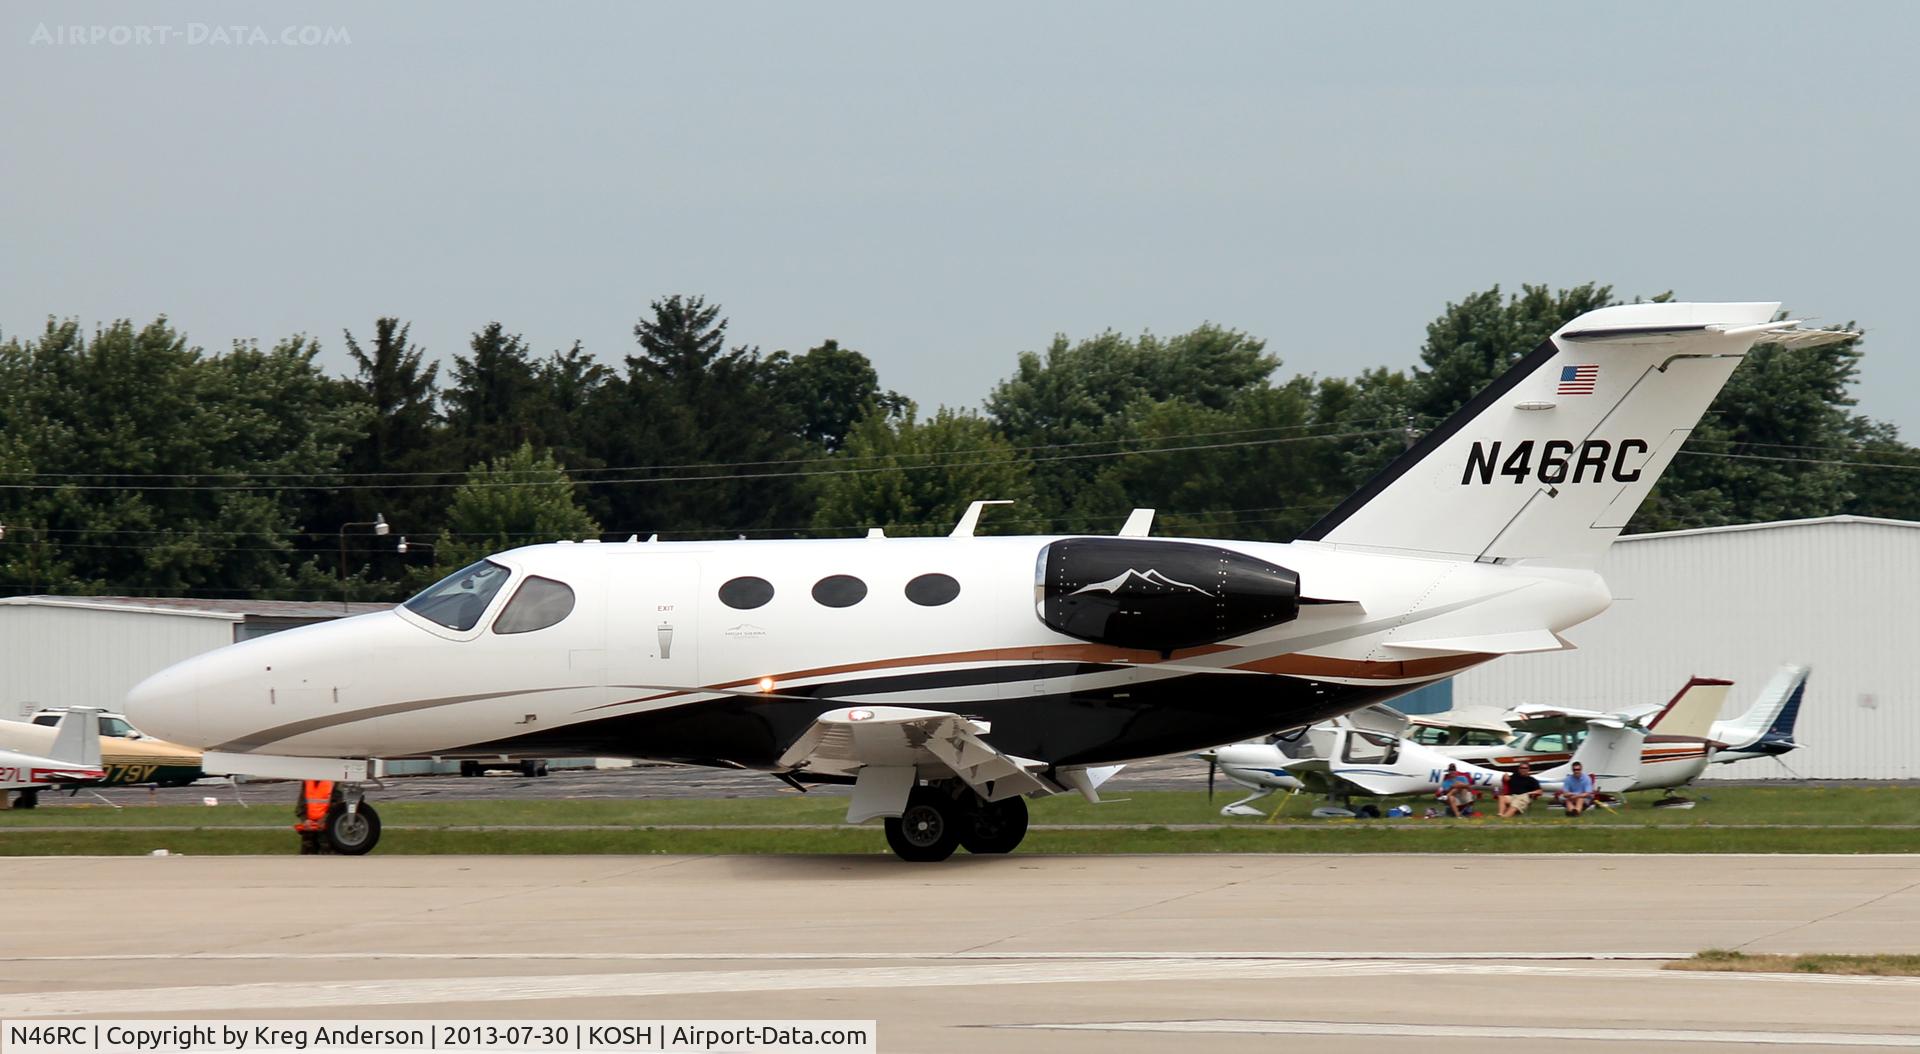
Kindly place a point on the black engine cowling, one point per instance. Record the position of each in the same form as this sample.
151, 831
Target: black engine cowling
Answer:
1136, 593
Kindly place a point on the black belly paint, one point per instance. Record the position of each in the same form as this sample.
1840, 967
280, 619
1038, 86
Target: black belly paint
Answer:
1075, 727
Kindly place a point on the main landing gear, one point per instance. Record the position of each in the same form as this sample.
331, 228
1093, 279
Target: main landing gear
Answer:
942, 817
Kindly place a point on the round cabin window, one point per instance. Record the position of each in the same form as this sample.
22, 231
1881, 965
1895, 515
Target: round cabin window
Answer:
839, 591
746, 593
933, 590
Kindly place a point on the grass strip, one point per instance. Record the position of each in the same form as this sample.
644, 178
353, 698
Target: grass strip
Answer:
1721, 960
1809, 806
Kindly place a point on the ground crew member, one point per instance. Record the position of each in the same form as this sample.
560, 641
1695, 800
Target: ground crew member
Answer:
310, 815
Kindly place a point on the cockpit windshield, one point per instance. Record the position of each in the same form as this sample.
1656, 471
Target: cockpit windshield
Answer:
458, 600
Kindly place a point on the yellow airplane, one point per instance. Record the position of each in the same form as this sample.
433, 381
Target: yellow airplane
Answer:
128, 757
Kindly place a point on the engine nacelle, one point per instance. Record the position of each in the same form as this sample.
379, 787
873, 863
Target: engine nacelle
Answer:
1159, 595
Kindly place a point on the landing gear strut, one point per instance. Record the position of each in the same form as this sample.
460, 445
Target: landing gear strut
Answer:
939, 819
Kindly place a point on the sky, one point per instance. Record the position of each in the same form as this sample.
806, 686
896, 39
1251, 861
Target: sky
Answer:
943, 187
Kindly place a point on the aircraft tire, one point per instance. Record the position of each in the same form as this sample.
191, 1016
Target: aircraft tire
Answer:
353, 834
26, 799
928, 830
470, 769
995, 827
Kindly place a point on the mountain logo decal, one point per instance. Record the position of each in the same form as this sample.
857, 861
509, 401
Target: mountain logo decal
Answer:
1136, 582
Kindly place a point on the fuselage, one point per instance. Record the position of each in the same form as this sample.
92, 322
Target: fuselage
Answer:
723, 652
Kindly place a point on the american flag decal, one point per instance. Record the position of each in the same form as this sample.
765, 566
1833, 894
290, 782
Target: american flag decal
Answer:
1578, 380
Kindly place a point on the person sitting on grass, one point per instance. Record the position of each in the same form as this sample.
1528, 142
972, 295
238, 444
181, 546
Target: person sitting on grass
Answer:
1576, 791
1456, 789
1518, 791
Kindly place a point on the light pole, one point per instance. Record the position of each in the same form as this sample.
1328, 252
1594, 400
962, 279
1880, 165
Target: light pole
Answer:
380, 528
406, 547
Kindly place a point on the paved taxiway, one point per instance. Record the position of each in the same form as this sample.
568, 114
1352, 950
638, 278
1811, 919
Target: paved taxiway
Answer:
1362, 953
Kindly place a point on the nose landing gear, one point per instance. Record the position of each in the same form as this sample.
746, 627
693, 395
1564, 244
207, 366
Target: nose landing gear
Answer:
353, 827
335, 818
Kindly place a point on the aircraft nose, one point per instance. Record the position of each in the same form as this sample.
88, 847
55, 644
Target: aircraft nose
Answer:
166, 705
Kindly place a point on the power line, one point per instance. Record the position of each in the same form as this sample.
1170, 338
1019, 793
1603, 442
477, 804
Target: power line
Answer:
254, 488
578, 474
1803, 460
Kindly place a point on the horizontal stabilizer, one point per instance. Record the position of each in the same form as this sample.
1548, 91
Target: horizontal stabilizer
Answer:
1489, 643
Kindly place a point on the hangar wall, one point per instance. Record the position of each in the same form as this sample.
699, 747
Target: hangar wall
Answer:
54, 655
1837, 593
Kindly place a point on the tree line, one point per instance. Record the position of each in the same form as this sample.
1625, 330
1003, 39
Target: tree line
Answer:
132, 462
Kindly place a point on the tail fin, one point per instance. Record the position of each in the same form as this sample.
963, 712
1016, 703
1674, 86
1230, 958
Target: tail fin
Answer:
1550, 460
1610, 754
1692, 710
1771, 717
78, 741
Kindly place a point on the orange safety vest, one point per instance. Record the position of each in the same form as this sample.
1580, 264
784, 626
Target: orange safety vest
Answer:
316, 796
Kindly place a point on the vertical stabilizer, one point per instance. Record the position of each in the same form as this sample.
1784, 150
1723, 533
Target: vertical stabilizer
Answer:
78, 741
1691, 711
1770, 720
1548, 462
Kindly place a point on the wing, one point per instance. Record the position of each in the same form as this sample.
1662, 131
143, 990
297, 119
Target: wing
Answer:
890, 748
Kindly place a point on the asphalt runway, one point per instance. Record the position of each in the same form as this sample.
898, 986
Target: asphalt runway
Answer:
1042, 953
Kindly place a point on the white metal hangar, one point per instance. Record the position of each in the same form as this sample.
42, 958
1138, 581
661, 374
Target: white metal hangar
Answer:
88, 651
1841, 594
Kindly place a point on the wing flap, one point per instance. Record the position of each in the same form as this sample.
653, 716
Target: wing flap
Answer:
930, 743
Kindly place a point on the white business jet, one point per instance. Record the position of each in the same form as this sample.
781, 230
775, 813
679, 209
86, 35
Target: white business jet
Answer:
950, 679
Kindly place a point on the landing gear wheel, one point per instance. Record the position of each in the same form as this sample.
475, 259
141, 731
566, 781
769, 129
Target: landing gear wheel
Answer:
27, 799
531, 769
353, 833
469, 768
928, 830
995, 827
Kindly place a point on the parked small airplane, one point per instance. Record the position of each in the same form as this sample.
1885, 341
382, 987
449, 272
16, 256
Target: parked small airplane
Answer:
1341, 760
1678, 742
73, 756
128, 757
949, 679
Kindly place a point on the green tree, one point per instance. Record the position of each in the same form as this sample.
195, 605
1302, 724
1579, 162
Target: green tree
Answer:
398, 387
709, 413
158, 469
492, 405
1475, 340
829, 390
1089, 396
519, 498
911, 476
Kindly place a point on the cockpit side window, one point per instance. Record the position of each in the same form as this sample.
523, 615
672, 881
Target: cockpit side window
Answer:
458, 600
537, 604
1371, 748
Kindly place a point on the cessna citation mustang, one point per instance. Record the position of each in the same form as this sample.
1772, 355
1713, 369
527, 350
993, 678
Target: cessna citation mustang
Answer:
949, 679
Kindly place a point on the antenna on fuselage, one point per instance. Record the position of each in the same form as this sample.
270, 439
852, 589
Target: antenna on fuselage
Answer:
971, 518
876, 532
